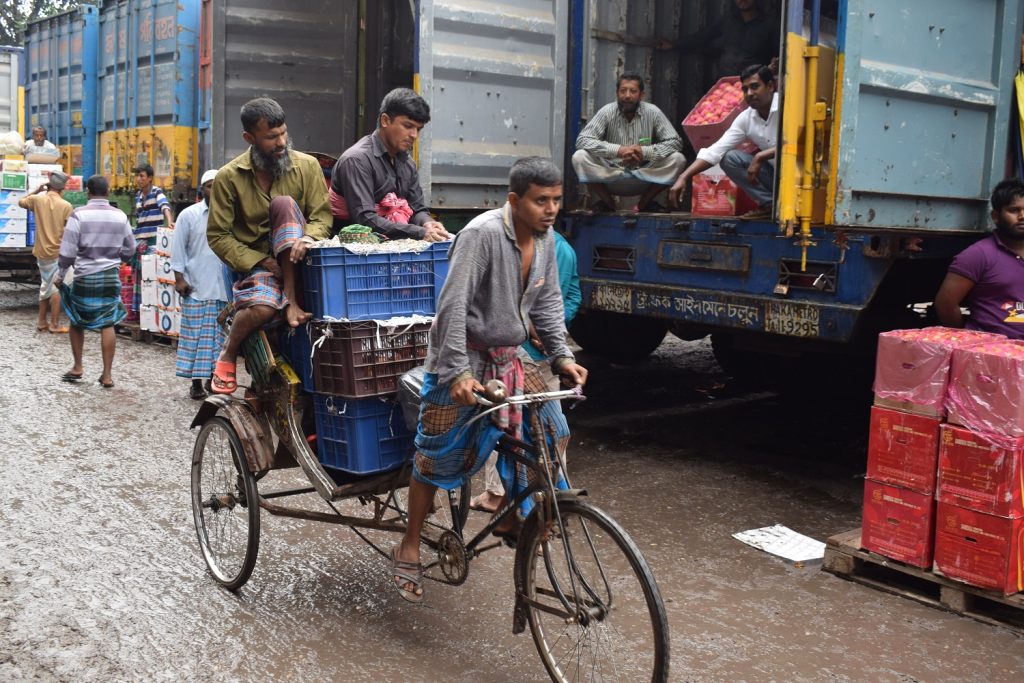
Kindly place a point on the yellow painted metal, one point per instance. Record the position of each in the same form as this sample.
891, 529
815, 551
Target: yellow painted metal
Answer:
837, 105
793, 106
172, 151
416, 145
805, 205
71, 158
21, 112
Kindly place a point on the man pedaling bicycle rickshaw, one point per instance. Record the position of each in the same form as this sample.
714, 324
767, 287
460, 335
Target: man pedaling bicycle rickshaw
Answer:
502, 276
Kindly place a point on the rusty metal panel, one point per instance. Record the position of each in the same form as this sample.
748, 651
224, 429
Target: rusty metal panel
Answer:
494, 75
301, 54
924, 110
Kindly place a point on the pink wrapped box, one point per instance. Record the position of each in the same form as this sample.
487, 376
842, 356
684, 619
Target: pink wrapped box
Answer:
986, 390
912, 368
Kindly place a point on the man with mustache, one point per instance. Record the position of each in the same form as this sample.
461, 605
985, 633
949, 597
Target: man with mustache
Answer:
628, 148
752, 173
988, 276
375, 182
267, 206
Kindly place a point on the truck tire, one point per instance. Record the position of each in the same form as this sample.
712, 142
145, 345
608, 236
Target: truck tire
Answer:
618, 337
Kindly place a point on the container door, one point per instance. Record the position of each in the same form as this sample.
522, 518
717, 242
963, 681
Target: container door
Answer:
9, 89
495, 78
922, 113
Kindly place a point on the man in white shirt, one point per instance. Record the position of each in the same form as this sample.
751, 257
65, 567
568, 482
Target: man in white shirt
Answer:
39, 149
752, 173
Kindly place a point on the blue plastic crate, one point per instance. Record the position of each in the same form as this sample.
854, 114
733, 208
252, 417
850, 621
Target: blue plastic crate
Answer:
342, 285
293, 342
361, 436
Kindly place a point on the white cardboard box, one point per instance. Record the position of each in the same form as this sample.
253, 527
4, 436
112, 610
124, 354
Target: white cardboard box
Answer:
11, 196
13, 211
164, 237
149, 290
148, 267
166, 296
169, 322
164, 273
12, 240
14, 225
148, 318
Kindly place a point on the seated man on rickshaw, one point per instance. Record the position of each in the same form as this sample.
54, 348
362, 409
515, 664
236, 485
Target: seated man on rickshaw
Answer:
267, 206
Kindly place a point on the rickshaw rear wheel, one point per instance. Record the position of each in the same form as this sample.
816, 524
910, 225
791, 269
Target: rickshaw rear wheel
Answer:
225, 504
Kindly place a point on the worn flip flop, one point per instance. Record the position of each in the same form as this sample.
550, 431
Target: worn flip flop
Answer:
407, 572
59, 330
223, 380
71, 377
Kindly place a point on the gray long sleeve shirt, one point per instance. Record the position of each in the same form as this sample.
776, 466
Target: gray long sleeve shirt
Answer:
365, 174
483, 300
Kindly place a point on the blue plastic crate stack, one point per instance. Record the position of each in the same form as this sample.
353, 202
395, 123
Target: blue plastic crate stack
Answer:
371, 317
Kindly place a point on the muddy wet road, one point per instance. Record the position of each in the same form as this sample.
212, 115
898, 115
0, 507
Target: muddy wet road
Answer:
101, 578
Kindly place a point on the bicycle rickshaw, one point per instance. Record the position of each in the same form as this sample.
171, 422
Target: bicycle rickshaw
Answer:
581, 585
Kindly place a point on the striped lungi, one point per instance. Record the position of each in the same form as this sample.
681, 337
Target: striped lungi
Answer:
447, 452
591, 168
93, 302
260, 287
201, 338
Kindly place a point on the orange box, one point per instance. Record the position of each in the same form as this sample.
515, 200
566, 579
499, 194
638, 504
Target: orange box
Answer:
903, 449
982, 550
898, 523
976, 474
703, 135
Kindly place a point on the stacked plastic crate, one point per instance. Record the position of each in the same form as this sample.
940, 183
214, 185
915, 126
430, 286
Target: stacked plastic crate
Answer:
944, 484
371, 317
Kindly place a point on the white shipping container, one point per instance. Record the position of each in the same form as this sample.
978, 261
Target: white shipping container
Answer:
10, 59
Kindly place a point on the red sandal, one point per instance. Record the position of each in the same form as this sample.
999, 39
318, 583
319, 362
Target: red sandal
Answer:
223, 380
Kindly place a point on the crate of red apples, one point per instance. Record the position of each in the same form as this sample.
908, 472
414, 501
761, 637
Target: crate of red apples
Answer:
714, 113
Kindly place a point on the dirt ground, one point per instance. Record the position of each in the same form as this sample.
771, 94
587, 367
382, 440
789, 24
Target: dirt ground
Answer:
101, 578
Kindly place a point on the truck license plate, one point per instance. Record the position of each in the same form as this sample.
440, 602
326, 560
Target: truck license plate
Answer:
795, 320
612, 298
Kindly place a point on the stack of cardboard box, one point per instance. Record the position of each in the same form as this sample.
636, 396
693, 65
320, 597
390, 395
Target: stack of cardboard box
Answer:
970, 464
13, 218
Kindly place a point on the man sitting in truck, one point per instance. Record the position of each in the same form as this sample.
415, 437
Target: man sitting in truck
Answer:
375, 182
267, 205
988, 276
39, 150
628, 148
752, 173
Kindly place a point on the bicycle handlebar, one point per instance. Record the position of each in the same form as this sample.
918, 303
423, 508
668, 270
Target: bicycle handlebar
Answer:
539, 397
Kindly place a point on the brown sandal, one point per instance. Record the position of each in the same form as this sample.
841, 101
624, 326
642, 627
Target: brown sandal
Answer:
407, 572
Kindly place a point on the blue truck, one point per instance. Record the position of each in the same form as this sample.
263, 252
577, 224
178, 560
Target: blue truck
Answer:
894, 128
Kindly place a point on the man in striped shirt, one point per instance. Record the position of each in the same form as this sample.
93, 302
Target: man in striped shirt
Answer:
97, 238
628, 148
151, 206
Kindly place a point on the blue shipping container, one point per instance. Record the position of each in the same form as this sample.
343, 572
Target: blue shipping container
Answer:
61, 56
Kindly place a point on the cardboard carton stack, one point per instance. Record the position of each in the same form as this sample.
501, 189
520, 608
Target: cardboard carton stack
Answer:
13, 218
168, 306
970, 464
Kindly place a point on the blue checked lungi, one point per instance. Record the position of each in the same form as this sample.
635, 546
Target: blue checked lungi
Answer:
93, 302
447, 453
260, 287
201, 338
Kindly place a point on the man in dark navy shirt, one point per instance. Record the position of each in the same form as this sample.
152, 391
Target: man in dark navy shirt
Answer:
375, 182
988, 276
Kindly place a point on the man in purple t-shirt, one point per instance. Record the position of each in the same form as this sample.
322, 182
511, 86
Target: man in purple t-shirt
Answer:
988, 276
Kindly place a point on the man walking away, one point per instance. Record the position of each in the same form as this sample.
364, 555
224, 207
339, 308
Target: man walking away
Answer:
988, 276
200, 280
97, 238
152, 209
629, 147
51, 211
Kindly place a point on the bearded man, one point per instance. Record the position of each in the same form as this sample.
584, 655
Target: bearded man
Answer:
629, 147
266, 207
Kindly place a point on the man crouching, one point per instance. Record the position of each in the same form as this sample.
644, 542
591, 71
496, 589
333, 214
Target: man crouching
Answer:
503, 275
267, 206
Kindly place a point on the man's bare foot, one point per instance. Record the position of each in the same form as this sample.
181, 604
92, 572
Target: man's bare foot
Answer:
295, 315
488, 501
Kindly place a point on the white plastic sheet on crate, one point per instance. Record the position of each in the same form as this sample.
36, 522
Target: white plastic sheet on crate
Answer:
783, 542
388, 247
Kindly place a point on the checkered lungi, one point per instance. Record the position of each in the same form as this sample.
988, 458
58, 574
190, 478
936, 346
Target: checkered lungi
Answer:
201, 338
447, 453
93, 302
260, 287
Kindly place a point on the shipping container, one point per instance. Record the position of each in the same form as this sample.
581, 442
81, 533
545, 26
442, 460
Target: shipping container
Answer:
12, 90
60, 84
147, 90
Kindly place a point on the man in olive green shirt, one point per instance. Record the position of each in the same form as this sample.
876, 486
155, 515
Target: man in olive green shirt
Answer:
267, 206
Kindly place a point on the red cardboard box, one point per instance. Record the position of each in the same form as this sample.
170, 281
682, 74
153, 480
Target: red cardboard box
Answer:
716, 195
912, 367
978, 549
977, 474
903, 449
703, 135
898, 523
987, 389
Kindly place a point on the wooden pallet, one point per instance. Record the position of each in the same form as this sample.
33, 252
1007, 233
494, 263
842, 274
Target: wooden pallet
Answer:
845, 558
136, 333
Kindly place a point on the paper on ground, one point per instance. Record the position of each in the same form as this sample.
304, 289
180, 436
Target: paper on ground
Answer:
784, 542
